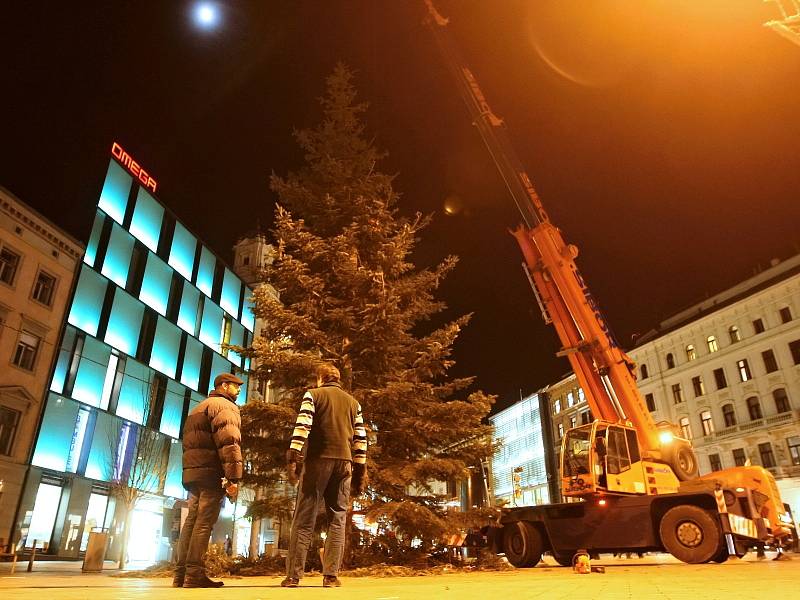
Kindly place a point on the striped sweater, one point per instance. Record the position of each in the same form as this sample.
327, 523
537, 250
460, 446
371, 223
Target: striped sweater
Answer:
330, 422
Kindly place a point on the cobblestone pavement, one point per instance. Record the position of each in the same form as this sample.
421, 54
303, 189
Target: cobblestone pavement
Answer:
656, 577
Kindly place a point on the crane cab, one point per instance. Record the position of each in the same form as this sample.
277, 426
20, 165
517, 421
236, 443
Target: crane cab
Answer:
604, 458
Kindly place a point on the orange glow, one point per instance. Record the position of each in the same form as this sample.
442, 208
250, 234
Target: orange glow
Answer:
132, 166
601, 502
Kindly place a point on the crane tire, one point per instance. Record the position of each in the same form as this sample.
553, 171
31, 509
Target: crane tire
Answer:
691, 534
522, 543
683, 461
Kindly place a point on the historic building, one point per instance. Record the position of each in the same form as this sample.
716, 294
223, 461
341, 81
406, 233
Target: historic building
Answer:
37, 267
147, 329
727, 372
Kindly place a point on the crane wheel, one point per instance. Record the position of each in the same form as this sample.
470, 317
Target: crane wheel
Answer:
691, 534
522, 543
683, 461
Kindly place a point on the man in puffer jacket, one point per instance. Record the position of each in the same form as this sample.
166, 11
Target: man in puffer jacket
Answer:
212, 468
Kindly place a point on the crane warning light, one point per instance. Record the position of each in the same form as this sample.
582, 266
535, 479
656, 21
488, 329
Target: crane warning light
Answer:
136, 170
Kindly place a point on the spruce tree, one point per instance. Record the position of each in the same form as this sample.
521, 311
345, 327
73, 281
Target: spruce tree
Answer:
349, 294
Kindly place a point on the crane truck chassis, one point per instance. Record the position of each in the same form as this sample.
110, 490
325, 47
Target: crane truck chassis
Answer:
634, 481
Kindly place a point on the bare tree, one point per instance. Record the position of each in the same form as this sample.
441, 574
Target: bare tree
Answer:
138, 459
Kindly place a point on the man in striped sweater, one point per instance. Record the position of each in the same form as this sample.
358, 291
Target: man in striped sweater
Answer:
331, 429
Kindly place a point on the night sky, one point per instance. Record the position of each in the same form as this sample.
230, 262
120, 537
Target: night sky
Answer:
662, 136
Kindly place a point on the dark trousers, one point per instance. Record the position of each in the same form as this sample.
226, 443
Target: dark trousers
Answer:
204, 507
324, 480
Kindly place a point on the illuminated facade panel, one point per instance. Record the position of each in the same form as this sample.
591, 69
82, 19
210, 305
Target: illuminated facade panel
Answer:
103, 449
182, 251
156, 284
88, 301
164, 355
94, 239
187, 313
124, 323
63, 360
114, 197
231, 292
147, 220
90, 378
58, 427
173, 486
205, 272
135, 393
211, 325
192, 358
248, 317
173, 410
118, 256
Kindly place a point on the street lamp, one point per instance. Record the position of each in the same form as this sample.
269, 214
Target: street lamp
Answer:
206, 15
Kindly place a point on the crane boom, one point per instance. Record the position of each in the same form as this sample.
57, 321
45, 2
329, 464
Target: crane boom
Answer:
604, 371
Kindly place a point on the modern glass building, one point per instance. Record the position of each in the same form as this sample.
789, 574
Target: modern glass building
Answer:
145, 334
522, 465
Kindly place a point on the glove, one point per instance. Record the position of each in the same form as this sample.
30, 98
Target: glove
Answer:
294, 463
358, 483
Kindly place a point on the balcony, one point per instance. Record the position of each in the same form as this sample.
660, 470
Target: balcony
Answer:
752, 425
786, 417
726, 432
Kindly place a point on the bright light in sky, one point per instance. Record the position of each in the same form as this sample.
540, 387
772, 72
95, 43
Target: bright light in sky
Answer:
206, 15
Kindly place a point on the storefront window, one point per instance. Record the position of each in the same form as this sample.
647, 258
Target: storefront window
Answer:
43, 518
58, 426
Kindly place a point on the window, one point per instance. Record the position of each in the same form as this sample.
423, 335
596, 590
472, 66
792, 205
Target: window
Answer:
245, 260
205, 271
758, 326
557, 406
651, 402
586, 417
794, 449
231, 292
735, 334
124, 323
88, 301
25, 353
146, 221
117, 262
729, 415
570, 398
677, 393
691, 353
699, 387
9, 262
711, 342
686, 429
754, 408
573, 421
719, 378
781, 401
794, 348
670, 361
767, 457
9, 420
715, 462
744, 370
643, 372
43, 288
114, 197
739, 457
560, 430
786, 314
706, 422
770, 363
156, 284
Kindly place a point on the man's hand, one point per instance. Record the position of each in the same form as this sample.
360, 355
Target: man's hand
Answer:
358, 483
293, 459
232, 491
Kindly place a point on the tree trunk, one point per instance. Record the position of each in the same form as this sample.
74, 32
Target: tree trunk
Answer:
126, 533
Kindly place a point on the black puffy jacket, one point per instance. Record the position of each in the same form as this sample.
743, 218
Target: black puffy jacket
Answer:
212, 440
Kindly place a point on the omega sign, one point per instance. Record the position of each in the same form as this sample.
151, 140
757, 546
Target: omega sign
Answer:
132, 166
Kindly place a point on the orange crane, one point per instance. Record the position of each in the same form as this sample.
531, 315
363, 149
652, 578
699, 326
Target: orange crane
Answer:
626, 467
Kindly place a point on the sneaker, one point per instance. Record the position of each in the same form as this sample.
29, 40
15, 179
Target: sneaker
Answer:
290, 582
201, 582
331, 581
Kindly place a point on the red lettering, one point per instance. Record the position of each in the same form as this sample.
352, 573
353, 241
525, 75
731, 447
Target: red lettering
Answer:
134, 167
